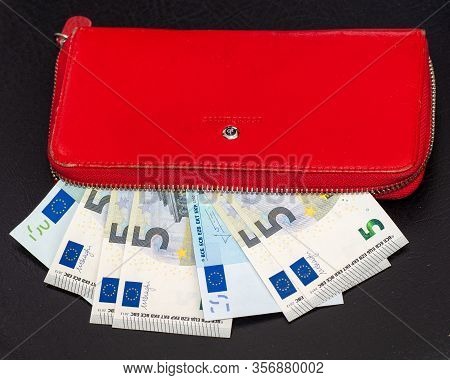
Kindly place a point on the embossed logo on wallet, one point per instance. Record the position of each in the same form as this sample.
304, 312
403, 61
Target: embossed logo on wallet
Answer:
231, 120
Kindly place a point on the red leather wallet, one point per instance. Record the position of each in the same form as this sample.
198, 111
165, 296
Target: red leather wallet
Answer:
281, 111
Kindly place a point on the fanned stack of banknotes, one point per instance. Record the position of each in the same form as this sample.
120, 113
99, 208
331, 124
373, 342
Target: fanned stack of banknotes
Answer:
189, 262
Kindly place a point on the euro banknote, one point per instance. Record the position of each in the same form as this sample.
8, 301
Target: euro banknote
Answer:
277, 281
329, 243
113, 245
74, 267
158, 288
227, 280
42, 231
229, 286
290, 248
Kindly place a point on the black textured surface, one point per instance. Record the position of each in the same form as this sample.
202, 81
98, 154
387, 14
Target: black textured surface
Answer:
415, 290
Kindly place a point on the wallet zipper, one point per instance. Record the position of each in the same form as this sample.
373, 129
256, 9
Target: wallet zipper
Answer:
373, 190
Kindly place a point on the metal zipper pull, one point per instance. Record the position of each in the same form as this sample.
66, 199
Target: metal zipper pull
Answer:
71, 24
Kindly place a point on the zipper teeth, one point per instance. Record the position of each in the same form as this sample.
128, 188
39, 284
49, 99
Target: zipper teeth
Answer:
234, 189
52, 110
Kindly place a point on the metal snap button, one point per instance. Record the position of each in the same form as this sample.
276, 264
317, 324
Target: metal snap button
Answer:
230, 132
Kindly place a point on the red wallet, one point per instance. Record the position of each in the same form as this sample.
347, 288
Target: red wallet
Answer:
278, 111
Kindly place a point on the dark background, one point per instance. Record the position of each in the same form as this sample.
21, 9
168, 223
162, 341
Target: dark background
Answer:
403, 313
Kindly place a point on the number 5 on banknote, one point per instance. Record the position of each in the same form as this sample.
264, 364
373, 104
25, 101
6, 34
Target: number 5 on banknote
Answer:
279, 283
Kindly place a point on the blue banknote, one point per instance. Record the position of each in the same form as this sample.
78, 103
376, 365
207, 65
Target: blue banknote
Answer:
229, 285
